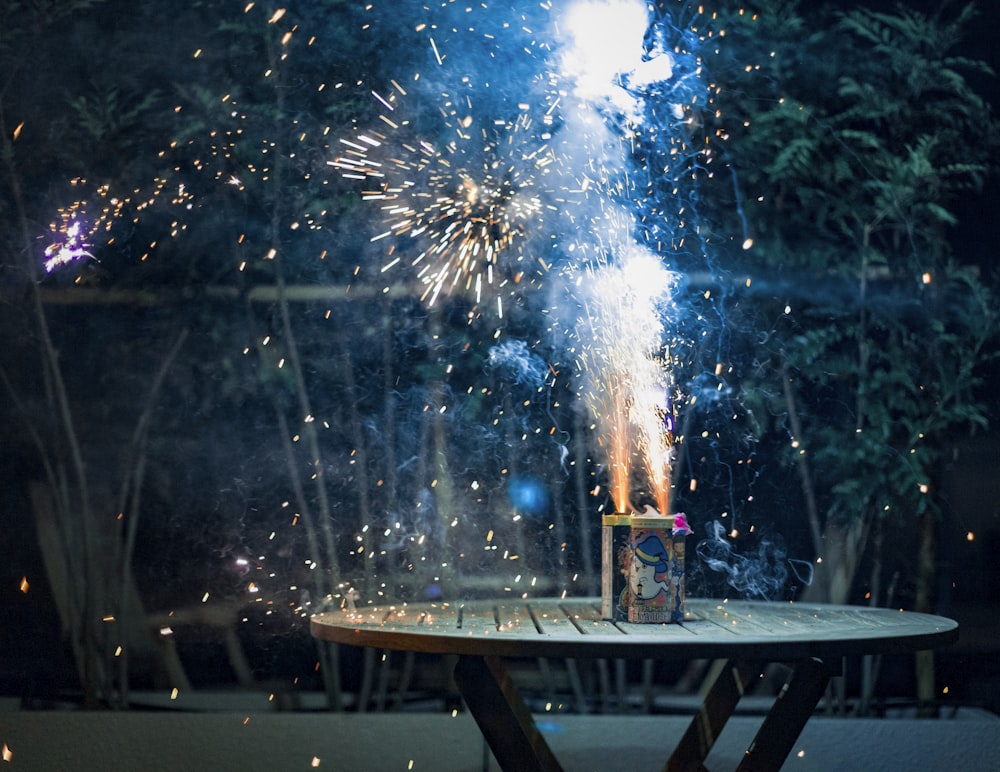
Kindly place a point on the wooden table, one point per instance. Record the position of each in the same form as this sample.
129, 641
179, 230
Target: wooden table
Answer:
812, 639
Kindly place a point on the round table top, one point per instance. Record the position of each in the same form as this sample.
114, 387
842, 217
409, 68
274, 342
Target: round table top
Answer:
573, 627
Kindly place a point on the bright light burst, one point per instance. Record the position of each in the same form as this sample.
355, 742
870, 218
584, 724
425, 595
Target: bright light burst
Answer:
68, 246
467, 197
635, 86
635, 106
606, 40
76, 228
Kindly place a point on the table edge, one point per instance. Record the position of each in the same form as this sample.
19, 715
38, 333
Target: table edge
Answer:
601, 646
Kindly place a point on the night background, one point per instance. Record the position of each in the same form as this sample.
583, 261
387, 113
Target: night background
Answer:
317, 300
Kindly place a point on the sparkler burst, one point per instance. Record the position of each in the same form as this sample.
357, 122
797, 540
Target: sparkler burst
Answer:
476, 194
78, 226
460, 207
68, 245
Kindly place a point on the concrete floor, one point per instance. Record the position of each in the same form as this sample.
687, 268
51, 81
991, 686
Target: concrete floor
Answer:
71, 741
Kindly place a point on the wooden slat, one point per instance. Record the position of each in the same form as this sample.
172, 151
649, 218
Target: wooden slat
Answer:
734, 620
581, 609
587, 619
788, 619
595, 626
815, 620
568, 621
515, 617
660, 633
476, 619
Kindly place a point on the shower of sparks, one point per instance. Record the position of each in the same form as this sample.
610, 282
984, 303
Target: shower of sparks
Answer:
87, 225
607, 150
72, 235
469, 202
636, 85
627, 379
638, 94
466, 199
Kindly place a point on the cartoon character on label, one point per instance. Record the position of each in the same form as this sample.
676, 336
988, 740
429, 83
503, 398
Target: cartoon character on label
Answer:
650, 568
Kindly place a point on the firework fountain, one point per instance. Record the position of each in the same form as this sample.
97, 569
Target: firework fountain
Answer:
484, 201
475, 203
626, 366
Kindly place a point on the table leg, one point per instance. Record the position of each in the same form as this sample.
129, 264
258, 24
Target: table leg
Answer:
715, 710
502, 716
784, 722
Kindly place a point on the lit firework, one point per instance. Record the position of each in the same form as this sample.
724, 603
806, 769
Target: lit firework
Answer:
637, 87
469, 200
627, 380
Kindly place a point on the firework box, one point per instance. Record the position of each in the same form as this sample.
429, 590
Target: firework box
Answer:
655, 592
616, 557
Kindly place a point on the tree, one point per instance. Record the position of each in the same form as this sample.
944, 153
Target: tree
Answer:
88, 550
854, 144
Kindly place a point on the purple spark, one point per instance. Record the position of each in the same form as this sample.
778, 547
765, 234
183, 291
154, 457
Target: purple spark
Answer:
71, 249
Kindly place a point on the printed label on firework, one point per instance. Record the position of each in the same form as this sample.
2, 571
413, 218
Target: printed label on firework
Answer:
656, 571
